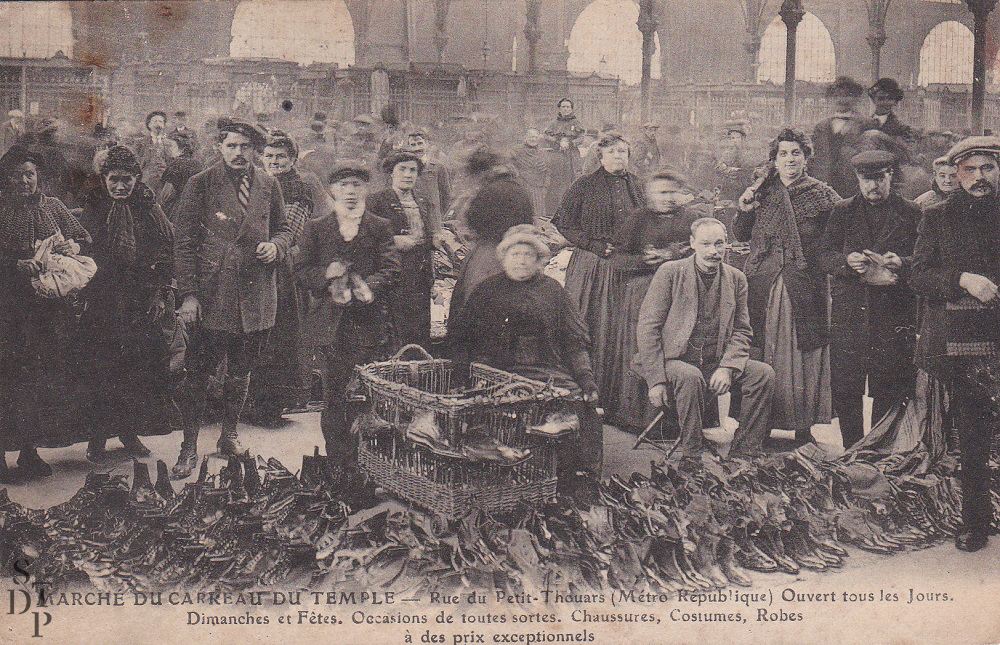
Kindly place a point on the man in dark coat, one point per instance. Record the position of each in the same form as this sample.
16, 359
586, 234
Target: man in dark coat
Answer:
154, 149
886, 95
956, 266
434, 181
867, 248
231, 229
349, 264
838, 138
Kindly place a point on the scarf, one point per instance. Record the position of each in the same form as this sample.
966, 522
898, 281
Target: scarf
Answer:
411, 209
349, 221
121, 232
125, 216
777, 219
24, 222
533, 164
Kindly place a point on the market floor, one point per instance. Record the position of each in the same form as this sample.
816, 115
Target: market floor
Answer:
941, 568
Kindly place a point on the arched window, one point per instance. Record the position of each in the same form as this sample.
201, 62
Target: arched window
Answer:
35, 29
815, 58
946, 56
606, 40
304, 31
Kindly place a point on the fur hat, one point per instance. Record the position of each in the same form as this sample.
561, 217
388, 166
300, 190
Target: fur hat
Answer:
523, 234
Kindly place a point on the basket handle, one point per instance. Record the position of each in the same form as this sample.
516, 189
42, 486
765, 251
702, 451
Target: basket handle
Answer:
511, 388
413, 346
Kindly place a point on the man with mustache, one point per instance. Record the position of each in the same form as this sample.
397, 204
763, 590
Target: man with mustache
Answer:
694, 341
867, 248
956, 266
231, 231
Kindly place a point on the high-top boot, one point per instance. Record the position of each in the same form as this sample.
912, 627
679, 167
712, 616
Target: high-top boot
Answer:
234, 395
188, 459
191, 396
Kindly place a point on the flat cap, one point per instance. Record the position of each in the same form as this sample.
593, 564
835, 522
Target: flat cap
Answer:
872, 161
974, 145
349, 168
239, 126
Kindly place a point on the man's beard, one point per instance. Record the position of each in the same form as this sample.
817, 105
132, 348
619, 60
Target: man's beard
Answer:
988, 188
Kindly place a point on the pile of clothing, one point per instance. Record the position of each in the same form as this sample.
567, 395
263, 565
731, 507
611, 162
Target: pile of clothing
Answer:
694, 524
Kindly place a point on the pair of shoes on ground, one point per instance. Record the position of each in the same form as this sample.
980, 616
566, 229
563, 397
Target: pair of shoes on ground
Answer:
187, 460
29, 466
98, 454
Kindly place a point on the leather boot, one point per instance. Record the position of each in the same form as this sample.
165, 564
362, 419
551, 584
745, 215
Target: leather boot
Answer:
234, 395
188, 458
32, 464
96, 451
133, 446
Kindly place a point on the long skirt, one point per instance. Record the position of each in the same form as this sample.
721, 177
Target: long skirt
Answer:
276, 381
43, 378
802, 395
595, 285
410, 300
630, 399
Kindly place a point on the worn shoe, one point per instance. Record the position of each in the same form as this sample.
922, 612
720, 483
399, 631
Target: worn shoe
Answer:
186, 462
6, 476
134, 447
971, 541
32, 465
96, 452
229, 444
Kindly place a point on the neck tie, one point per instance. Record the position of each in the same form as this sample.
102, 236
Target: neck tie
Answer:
244, 192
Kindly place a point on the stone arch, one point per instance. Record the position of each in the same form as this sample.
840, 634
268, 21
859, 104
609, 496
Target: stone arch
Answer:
304, 31
946, 55
35, 29
605, 39
815, 54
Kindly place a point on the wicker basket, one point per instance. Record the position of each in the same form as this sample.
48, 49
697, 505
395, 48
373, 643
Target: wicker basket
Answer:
461, 397
454, 489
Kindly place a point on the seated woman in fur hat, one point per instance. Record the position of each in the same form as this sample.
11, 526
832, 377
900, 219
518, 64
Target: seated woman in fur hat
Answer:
523, 321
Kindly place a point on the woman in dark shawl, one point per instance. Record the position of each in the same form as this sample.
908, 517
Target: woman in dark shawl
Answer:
39, 370
591, 217
278, 381
564, 134
783, 215
124, 345
409, 213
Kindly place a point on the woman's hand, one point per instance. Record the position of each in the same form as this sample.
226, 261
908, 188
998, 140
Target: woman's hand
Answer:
190, 311
66, 247
30, 268
748, 201
267, 252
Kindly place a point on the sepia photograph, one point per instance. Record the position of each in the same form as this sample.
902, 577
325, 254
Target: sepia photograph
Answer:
500, 321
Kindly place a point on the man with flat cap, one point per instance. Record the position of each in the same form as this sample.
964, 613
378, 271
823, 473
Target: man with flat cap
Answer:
349, 263
867, 248
230, 233
956, 267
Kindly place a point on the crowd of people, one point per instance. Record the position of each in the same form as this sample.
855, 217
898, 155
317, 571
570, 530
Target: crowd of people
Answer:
795, 278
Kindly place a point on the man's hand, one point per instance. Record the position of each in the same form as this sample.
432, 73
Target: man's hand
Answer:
608, 250
591, 396
721, 381
857, 261
30, 268
979, 287
658, 395
267, 252
892, 261
157, 308
190, 311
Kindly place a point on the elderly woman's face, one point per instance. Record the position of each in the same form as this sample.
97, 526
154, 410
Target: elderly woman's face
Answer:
520, 262
945, 178
404, 175
565, 108
790, 160
614, 158
24, 179
120, 184
276, 160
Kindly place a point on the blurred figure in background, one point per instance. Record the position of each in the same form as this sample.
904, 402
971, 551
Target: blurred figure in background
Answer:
532, 160
564, 134
838, 138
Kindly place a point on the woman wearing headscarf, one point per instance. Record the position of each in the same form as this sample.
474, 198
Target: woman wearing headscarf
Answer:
523, 321
499, 203
278, 381
125, 348
591, 217
564, 133
409, 213
783, 215
654, 234
39, 372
